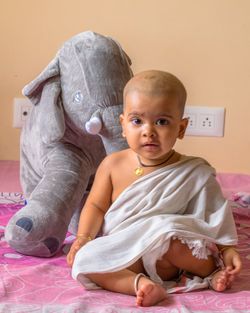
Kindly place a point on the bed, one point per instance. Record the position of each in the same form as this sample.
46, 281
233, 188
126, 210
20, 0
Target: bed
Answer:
30, 284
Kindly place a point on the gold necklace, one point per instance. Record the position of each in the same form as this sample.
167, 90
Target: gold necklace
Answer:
139, 170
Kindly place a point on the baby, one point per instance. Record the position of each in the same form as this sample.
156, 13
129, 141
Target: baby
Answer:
159, 212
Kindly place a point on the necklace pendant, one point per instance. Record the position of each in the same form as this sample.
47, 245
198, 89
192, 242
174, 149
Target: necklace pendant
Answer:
139, 171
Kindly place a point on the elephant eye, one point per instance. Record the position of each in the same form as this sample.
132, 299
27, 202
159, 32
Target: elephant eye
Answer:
78, 97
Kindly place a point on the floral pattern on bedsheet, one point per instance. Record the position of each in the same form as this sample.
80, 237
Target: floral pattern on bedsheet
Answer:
29, 284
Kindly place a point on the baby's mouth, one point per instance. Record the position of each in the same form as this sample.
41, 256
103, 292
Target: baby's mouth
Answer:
150, 146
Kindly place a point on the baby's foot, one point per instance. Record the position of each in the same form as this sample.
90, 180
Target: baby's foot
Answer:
221, 280
150, 293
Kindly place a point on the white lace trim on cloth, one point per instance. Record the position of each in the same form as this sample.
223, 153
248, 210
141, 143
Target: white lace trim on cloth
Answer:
201, 248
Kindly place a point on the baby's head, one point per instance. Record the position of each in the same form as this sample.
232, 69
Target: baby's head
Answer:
154, 83
154, 103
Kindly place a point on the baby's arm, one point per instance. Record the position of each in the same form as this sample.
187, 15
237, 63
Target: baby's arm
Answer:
231, 259
93, 212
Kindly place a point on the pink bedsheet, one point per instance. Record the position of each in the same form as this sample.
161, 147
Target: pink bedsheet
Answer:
30, 284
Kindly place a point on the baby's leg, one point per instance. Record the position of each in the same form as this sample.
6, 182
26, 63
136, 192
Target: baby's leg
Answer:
128, 282
180, 256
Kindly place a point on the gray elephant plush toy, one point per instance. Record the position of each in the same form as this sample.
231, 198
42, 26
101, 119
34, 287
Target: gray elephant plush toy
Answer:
73, 124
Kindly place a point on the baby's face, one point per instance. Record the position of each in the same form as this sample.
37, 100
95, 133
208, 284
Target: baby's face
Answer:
152, 124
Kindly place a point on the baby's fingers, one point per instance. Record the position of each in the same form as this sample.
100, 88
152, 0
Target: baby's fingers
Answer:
237, 264
69, 259
71, 256
236, 268
230, 270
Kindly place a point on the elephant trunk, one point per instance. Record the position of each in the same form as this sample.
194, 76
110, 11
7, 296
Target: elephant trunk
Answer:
105, 122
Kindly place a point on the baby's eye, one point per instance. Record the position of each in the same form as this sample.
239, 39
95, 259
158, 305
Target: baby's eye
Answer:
162, 121
136, 121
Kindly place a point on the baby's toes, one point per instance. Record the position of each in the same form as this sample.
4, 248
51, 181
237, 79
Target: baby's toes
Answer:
219, 281
139, 297
230, 281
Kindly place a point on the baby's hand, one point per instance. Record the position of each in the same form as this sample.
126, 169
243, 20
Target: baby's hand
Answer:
232, 261
76, 245
72, 252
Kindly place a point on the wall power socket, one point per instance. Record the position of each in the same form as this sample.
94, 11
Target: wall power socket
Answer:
205, 121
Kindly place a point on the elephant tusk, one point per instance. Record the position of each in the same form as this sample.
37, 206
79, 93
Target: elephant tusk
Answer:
93, 126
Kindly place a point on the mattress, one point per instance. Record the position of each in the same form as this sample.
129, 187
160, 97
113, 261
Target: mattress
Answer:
31, 284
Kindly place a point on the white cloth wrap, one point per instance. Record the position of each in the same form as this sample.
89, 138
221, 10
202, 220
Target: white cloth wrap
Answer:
180, 200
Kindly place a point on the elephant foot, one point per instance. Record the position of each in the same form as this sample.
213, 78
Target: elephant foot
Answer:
52, 244
16, 237
25, 223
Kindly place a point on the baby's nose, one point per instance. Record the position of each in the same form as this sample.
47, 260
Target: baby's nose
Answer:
148, 131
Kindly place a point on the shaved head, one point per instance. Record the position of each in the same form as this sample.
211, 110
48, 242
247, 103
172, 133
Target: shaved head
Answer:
155, 83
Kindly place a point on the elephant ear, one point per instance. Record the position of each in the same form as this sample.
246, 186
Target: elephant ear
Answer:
44, 92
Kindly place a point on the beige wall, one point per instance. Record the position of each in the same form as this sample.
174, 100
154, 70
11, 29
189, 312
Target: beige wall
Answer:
206, 43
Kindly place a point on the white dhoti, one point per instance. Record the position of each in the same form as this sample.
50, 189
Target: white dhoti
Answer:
181, 200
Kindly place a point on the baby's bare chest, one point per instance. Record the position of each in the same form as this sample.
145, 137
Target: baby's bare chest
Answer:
122, 180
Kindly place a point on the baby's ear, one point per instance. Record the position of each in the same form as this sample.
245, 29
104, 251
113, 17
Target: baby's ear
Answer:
183, 127
121, 118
